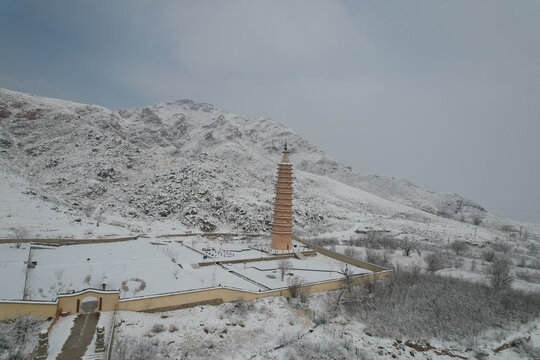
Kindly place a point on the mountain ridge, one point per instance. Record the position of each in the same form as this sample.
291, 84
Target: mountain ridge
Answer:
191, 162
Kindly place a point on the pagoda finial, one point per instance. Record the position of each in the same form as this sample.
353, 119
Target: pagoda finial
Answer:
285, 147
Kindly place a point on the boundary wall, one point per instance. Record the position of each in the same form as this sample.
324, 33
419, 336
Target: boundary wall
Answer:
341, 257
109, 300
216, 296
68, 241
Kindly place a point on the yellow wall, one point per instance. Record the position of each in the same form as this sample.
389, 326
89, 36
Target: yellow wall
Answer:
69, 302
111, 300
10, 310
65, 303
225, 295
342, 257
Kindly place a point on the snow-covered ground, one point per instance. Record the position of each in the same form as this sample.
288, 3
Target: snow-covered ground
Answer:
41, 218
59, 334
191, 167
13, 270
274, 328
151, 266
136, 268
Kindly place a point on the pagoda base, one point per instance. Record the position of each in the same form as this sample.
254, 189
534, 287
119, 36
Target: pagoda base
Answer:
281, 241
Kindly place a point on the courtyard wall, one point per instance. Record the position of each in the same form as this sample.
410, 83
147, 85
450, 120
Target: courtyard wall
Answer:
110, 299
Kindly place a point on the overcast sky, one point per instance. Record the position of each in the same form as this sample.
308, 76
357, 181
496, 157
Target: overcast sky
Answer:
443, 93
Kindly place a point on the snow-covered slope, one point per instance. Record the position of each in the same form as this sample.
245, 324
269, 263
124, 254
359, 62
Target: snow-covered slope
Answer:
192, 164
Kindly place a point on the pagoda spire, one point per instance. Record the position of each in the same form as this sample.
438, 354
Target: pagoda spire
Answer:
282, 223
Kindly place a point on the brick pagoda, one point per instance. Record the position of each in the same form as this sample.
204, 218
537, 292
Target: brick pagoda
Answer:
282, 224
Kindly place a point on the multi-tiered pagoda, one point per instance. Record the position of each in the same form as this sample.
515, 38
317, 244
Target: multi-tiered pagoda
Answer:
282, 224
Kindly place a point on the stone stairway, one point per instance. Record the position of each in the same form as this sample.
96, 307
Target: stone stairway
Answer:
81, 336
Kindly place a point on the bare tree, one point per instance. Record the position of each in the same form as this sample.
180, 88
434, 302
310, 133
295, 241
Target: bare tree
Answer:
408, 246
295, 285
348, 277
284, 265
525, 235
489, 255
20, 233
135, 348
499, 274
434, 261
351, 252
458, 247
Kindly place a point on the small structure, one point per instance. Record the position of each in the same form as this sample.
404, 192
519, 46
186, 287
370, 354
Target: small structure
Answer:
43, 345
100, 339
282, 223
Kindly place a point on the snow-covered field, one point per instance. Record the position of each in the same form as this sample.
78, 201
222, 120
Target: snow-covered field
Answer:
150, 266
41, 218
13, 270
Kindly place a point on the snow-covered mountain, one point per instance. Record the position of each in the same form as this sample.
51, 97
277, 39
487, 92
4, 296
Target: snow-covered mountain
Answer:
203, 169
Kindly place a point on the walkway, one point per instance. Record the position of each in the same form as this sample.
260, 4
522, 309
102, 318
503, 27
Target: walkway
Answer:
81, 336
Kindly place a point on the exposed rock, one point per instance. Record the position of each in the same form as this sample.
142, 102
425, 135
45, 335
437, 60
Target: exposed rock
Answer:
4, 113
5, 143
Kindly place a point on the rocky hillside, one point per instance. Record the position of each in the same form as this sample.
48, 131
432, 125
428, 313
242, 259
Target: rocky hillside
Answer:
204, 168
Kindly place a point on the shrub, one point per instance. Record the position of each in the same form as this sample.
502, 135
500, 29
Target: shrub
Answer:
488, 255
532, 277
283, 266
325, 242
501, 247
319, 319
499, 274
375, 240
19, 336
435, 261
157, 328
377, 257
424, 306
139, 348
173, 328
295, 284
408, 246
307, 348
351, 252
239, 308
458, 247
522, 262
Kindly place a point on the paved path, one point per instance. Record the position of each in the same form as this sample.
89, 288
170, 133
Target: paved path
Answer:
81, 336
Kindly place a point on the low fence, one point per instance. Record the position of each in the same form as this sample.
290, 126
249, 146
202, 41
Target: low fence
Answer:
67, 241
110, 340
341, 257
209, 235
268, 258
